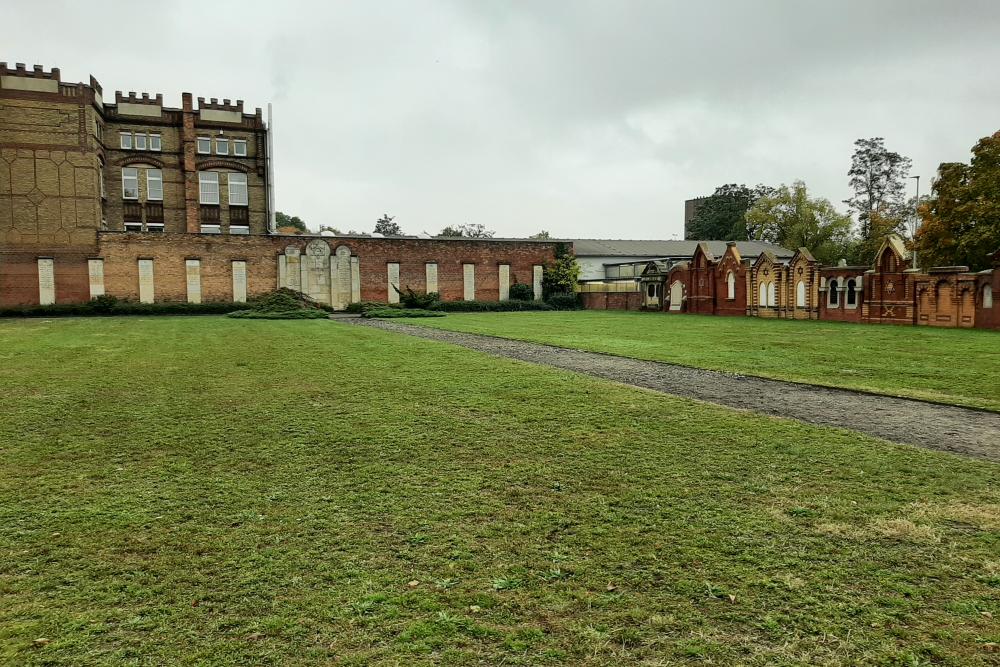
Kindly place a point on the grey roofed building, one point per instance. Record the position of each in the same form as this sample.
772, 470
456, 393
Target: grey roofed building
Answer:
594, 254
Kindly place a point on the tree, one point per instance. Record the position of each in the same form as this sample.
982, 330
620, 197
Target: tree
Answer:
878, 178
472, 231
387, 227
285, 220
560, 276
722, 215
328, 228
961, 220
793, 219
540, 235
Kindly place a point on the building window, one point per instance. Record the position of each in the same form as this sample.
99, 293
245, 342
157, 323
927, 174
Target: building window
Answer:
238, 190
208, 187
126, 140
240, 147
140, 142
133, 226
222, 146
852, 297
834, 298
730, 285
211, 229
130, 183
154, 227
239, 229
154, 185
204, 145
154, 142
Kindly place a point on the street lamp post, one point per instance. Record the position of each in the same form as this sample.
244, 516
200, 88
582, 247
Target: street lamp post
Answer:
916, 218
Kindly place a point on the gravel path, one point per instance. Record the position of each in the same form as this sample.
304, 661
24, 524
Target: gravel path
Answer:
951, 429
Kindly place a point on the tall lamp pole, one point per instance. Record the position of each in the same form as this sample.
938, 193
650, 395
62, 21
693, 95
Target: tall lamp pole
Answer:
916, 218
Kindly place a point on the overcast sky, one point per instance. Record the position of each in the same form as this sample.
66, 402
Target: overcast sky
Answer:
587, 119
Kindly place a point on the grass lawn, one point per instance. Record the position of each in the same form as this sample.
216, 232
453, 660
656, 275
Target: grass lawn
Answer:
958, 366
212, 491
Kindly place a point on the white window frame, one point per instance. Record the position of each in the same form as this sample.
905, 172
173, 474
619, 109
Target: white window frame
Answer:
155, 227
140, 138
125, 140
210, 178
240, 147
221, 142
154, 176
208, 147
155, 142
133, 226
211, 229
239, 229
130, 174
241, 180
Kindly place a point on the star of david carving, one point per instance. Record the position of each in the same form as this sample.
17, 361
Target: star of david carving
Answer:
890, 287
800, 271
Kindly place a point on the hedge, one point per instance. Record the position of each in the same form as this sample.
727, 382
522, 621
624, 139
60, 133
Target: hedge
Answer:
92, 309
298, 314
489, 306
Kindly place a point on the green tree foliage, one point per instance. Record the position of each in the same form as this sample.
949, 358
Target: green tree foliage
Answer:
722, 215
472, 231
541, 235
791, 218
878, 178
961, 220
387, 227
285, 220
561, 275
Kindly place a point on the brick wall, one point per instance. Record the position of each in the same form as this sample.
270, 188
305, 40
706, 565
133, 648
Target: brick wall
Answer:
169, 252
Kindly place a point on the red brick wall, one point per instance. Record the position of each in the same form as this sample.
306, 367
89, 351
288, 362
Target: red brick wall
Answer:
121, 252
840, 312
988, 318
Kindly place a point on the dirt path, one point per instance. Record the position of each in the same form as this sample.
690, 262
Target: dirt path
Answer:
947, 428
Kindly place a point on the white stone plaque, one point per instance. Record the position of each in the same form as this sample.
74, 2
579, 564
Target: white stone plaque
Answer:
146, 281
95, 271
355, 280
192, 273
504, 282
469, 282
536, 281
432, 277
46, 281
239, 281
393, 280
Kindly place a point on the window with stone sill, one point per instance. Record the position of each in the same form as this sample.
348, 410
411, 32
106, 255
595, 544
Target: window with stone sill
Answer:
222, 146
140, 141
154, 227
133, 226
211, 229
239, 229
125, 139
238, 190
240, 147
204, 145
154, 142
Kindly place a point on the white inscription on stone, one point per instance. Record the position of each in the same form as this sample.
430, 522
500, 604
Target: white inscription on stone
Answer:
46, 281
146, 281
504, 282
192, 271
239, 281
432, 277
95, 271
393, 279
469, 282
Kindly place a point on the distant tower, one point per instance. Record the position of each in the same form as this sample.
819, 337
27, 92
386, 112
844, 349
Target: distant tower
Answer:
690, 210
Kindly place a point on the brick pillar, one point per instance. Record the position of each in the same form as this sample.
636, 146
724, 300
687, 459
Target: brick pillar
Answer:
189, 138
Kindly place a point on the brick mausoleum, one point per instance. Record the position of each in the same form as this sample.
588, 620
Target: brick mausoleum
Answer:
147, 202
888, 292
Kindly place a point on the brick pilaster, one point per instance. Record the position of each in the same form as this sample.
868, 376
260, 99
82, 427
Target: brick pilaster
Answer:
189, 138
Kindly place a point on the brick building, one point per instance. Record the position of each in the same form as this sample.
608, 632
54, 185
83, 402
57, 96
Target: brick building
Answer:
143, 201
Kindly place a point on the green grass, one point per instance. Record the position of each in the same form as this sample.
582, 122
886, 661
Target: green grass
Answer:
211, 491
957, 366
